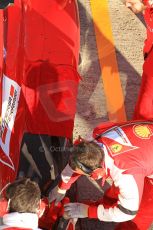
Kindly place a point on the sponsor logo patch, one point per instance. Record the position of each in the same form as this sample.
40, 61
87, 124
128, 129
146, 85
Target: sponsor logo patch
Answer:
142, 131
9, 113
10, 98
117, 142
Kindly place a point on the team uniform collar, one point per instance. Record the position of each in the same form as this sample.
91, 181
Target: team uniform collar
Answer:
21, 220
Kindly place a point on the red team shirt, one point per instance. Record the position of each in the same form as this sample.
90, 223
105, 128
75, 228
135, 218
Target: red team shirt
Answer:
128, 161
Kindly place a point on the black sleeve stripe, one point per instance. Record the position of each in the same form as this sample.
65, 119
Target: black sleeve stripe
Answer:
127, 211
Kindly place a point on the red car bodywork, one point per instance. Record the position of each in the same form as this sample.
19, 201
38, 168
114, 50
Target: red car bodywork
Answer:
40, 53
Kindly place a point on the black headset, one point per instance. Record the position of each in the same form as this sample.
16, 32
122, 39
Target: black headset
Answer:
82, 166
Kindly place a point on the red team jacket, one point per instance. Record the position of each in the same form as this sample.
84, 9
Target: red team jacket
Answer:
128, 160
148, 16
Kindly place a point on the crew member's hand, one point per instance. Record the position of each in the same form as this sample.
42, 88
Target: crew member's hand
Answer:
76, 210
136, 6
56, 195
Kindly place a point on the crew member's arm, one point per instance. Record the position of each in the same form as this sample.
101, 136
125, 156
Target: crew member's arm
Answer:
68, 177
130, 192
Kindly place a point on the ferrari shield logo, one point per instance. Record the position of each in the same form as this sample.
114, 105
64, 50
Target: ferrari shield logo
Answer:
116, 148
117, 142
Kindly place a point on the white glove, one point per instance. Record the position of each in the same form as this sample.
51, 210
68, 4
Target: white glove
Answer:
76, 210
56, 195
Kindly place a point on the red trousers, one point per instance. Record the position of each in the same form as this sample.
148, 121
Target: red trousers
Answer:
144, 105
144, 217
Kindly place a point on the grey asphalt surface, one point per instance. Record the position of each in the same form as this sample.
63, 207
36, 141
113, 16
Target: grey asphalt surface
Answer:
129, 33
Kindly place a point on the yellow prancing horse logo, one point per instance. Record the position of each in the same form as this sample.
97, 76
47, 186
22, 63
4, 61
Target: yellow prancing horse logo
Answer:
116, 148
